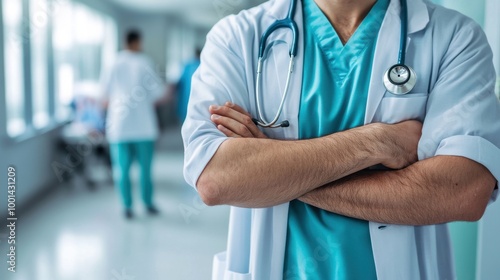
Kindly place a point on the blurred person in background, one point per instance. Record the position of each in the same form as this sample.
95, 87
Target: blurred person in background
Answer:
131, 88
183, 87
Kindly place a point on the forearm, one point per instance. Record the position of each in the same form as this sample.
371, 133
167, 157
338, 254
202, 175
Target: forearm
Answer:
432, 191
250, 172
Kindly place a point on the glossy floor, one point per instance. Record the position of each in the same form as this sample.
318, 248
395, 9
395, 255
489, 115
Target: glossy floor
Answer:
74, 233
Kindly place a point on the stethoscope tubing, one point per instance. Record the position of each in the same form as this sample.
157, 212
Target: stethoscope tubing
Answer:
397, 88
404, 33
261, 121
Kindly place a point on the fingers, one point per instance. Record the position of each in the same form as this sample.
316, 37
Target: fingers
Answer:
236, 119
232, 125
252, 126
237, 108
226, 131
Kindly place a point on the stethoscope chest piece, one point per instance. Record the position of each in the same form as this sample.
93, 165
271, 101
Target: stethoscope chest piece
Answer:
400, 79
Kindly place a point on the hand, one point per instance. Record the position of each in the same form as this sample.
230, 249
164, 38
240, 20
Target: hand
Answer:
234, 121
400, 143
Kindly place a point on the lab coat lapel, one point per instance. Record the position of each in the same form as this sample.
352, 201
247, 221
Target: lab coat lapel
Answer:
387, 48
385, 56
291, 110
276, 65
279, 9
418, 15
268, 248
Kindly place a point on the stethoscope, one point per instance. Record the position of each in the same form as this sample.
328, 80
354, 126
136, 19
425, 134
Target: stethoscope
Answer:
399, 79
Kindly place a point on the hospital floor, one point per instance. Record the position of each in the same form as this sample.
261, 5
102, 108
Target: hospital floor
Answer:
74, 233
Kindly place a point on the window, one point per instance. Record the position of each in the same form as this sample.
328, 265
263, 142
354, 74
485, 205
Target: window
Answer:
39, 59
88, 49
13, 54
110, 46
84, 43
62, 41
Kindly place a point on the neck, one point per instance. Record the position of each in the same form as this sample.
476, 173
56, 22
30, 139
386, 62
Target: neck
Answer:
345, 15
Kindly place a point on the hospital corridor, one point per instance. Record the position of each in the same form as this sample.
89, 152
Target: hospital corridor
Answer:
97, 169
72, 232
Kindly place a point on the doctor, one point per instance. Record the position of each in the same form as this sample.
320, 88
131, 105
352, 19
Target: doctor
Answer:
307, 201
131, 88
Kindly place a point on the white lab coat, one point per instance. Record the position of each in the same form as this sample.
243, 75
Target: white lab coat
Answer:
453, 97
132, 86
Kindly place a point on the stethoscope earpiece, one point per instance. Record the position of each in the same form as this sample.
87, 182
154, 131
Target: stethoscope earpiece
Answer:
400, 79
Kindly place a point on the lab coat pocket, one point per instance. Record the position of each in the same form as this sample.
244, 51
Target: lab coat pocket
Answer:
394, 109
219, 271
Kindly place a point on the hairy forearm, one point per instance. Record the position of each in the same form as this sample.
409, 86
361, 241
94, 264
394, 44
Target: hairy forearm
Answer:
250, 172
432, 191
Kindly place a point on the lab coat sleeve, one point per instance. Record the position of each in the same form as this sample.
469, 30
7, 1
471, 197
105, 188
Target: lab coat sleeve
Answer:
219, 78
463, 113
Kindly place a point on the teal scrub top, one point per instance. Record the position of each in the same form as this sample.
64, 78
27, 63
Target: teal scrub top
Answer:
320, 244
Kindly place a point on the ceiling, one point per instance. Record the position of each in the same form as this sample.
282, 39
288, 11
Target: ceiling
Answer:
198, 12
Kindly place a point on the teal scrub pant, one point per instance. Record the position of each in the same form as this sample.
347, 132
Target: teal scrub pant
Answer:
122, 155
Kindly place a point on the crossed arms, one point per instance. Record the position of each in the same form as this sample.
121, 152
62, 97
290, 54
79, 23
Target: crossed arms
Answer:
249, 170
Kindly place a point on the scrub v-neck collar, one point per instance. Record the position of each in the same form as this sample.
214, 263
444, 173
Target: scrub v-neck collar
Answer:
342, 57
